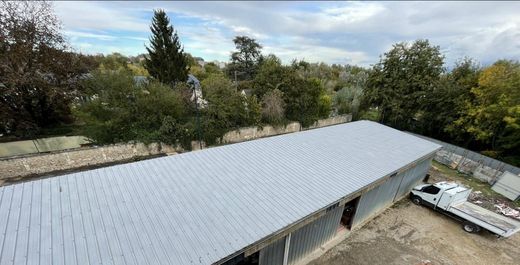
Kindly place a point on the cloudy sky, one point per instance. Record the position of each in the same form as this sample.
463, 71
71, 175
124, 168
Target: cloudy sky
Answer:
332, 32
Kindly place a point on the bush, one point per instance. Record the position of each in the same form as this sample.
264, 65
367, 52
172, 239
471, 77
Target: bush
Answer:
273, 107
324, 106
348, 99
227, 109
117, 110
304, 100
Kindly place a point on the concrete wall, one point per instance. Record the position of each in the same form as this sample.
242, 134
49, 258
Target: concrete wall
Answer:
43, 163
484, 168
468, 166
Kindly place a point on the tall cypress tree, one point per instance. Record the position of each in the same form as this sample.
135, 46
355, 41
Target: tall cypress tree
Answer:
166, 60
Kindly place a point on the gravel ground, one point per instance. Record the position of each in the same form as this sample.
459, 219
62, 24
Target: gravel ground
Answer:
411, 234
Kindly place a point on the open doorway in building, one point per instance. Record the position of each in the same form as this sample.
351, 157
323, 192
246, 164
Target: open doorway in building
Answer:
348, 213
252, 259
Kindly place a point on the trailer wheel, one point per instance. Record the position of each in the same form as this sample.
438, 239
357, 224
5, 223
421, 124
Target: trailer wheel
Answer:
471, 227
417, 200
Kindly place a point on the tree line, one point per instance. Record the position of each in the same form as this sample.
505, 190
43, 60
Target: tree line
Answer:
470, 105
48, 89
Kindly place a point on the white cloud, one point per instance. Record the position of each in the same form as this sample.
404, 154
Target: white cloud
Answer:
317, 54
355, 32
79, 34
99, 16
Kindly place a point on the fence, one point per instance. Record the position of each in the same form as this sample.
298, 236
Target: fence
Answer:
464, 160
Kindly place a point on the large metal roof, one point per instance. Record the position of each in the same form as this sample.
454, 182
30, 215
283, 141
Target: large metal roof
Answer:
196, 207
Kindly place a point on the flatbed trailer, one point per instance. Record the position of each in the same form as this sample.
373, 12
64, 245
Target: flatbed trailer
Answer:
451, 199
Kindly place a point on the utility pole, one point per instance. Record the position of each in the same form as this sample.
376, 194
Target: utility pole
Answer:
193, 83
198, 118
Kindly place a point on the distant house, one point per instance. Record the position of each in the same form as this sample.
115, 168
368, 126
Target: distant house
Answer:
197, 92
200, 61
220, 64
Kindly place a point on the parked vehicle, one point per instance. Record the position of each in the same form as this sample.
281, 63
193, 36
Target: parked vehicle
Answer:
451, 199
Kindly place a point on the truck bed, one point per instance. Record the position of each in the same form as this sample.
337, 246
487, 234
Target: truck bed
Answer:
507, 225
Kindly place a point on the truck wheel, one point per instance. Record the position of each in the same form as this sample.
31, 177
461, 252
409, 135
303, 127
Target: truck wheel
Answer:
417, 200
470, 227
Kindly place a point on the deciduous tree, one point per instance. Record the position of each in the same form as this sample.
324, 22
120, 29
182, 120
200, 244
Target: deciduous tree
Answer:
227, 109
38, 75
402, 80
493, 114
118, 110
245, 60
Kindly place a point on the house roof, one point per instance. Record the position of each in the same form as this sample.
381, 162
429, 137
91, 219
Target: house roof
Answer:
197, 207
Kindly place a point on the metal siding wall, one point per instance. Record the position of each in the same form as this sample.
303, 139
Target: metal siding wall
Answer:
377, 199
383, 195
310, 237
273, 254
413, 177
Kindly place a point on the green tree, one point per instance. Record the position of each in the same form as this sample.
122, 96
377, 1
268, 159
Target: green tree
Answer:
117, 110
245, 60
271, 75
305, 99
446, 103
492, 115
400, 83
166, 60
227, 109
38, 76
113, 62
203, 72
348, 99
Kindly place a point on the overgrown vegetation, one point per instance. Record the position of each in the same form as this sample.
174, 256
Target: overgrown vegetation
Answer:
470, 106
38, 75
118, 110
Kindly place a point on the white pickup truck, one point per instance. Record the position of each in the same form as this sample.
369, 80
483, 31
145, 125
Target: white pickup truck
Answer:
451, 199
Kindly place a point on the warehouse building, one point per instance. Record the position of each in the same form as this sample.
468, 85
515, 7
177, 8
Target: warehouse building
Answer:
268, 201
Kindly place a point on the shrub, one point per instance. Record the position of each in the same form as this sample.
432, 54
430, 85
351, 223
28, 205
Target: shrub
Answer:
227, 109
117, 110
273, 107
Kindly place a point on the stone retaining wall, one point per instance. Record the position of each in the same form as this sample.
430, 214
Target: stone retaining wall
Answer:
44, 163
249, 133
38, 164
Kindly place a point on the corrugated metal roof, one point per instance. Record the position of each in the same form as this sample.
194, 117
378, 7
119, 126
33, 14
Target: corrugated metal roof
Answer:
197, 207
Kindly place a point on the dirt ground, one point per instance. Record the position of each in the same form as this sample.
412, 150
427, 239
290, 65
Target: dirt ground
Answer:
411, 234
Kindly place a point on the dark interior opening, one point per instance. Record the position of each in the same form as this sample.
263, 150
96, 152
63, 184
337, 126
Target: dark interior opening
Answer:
348, 213
426, 178
252, 259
